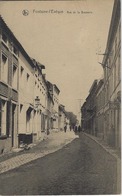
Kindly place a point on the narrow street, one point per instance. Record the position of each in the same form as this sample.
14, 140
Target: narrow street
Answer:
60, 97
77, 168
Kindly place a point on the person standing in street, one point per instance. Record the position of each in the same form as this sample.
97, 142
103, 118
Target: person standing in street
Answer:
70, 127
76, 128
79, 128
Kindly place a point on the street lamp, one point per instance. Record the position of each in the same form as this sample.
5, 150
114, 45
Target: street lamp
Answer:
37, 101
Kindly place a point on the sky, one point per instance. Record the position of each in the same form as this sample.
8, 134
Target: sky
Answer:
63, 37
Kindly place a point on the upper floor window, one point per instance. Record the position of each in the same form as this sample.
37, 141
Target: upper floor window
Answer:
28, 76
14, 84
15, 50
4, 68
4, 38
21, 106
21, 70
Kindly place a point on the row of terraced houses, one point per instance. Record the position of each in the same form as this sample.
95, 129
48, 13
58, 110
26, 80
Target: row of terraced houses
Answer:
29, 104
101, 112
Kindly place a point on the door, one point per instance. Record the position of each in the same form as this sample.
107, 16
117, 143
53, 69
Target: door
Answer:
13, 123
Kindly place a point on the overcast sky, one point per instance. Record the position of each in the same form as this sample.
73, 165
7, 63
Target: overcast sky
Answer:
65, 43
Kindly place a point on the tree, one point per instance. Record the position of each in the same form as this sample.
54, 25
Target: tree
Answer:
72, 117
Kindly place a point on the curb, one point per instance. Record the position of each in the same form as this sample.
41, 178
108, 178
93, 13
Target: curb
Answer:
106, 148
117, 159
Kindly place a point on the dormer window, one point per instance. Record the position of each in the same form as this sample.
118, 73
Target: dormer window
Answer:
15, 50
4, 38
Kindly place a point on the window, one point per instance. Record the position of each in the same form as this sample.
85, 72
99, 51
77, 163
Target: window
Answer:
3, 118
4, 68
4, 38
28, 82
15, 50
14, 84
21, 70
28, 76
21, 106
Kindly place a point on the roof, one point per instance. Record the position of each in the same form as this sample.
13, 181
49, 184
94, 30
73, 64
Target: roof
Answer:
112, 30
50, 86
15, 41
94, 84
57, 89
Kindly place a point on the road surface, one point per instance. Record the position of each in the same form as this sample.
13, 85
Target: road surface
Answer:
71, 170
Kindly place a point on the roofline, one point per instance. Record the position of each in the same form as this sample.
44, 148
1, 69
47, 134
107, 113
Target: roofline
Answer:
57, 88
112, 28
92, 86
22, 50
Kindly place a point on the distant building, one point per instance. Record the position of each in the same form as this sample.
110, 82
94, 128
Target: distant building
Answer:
40, 98
54, 91
50, 105
88, 111
62, 117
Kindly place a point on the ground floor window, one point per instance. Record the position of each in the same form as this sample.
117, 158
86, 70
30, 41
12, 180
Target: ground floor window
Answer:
3, 108
29, 120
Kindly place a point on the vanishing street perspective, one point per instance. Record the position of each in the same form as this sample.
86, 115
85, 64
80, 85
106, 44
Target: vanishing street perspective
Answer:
46, 147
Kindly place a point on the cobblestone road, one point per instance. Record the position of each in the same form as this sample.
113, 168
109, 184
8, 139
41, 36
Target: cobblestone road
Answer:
54, 142
79, 168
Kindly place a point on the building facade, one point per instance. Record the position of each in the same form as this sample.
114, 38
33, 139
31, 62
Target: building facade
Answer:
62, 117
100, 101
106, 101
54, 92
26, 98
88, 111
28, 103
9, 69
112, 80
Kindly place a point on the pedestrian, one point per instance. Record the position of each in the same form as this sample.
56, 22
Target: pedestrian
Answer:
76, 128
65, 128
70, 127
79, 128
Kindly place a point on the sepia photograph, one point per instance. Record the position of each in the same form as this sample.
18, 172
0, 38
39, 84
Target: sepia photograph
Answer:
60, 97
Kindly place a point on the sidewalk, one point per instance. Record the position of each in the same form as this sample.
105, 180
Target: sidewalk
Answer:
107, 152
103, 144
54, 142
